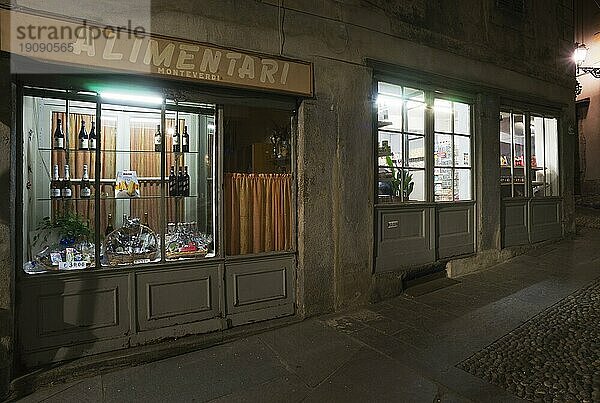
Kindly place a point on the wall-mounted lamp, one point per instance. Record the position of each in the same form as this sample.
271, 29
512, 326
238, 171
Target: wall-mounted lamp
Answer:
579, 56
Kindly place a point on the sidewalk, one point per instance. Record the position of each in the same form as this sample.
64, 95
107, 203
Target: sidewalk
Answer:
408, 349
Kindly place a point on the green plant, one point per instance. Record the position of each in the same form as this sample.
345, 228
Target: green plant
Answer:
402, 180
69, 226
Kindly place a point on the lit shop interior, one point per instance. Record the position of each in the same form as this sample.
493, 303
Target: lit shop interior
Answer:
116, 179
403, 135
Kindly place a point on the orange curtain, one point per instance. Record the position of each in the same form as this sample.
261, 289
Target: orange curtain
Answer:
258, 213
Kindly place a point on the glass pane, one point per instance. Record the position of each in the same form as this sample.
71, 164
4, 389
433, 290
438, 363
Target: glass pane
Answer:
389, 89
462, 184
442, 151
131, 183
415, 115
462, 151
413, 185
416, 151
190, 216
537, 156
519, 140
519, 190
442, 183
389, 112
551, 143
412, 94
442, 115
505, 140
258, 179
58, 208
462, 118
390, 147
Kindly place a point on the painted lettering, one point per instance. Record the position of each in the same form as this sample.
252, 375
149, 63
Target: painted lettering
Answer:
185, 56
152, 55
233, 57
269, 68
247, 68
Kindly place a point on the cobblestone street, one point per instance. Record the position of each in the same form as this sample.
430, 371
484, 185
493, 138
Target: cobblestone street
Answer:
524, 329
553, 357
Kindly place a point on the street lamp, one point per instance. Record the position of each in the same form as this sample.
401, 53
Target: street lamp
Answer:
579, 56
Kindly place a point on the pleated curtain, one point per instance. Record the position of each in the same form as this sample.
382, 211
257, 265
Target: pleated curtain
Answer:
257, 213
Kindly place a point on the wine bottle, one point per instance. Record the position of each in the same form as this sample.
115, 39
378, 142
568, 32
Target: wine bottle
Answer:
93, 137
59, 136
66, 189
85, 190
84, 143
176, 148
180, 183
186, 182
185, 141
55, 184
109, 225
157, 140
172, 182
146, 219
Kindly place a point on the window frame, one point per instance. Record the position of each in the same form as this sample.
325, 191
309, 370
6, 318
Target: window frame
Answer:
528, 115
430, 94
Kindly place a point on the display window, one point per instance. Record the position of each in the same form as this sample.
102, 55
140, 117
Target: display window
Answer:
524, 136
414, 123
115, 180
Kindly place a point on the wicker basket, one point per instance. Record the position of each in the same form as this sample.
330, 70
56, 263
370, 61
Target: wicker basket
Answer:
132, 234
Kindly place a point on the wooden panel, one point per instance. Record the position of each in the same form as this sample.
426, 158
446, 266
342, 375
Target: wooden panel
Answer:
405, 237
455, 229
68, 311
170, 297
260, 284
545, 220
515, 223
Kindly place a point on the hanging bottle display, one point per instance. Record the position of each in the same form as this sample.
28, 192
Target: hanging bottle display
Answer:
186, 182
85, 191
84, 140
59, 136
185, 140
55, 184
92, 140
109, 225
180, 182
176, 147
172, 182
66, 189
157, 139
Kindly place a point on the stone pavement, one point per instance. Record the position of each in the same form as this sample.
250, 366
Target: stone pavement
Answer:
407, 349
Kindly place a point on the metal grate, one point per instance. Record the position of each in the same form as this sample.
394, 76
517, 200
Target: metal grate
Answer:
511, 6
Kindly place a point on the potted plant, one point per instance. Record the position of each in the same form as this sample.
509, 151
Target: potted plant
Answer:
402, 181
70, 227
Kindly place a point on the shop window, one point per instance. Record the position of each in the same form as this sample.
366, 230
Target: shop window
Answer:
404, 137
540, 142
452, 151
97, 187
401, 144
258, 180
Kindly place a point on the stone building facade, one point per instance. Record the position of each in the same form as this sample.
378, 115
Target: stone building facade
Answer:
501, 54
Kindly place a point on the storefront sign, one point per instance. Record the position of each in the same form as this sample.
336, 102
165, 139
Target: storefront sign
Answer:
131, 49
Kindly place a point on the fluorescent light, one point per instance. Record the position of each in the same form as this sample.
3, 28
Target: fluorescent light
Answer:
142, 99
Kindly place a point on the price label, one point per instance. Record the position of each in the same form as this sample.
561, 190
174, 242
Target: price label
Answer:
72, 265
